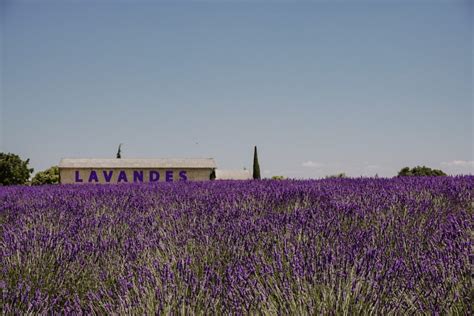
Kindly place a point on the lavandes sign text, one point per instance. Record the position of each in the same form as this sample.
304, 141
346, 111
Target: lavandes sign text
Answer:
129, 176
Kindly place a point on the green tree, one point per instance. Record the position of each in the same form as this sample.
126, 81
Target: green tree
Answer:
48, 176
119, 151
212, 176
404, 172
420, 171
256, 166
13, 170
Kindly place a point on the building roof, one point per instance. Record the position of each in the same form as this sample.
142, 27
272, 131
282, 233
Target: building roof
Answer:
233, 174
205, 163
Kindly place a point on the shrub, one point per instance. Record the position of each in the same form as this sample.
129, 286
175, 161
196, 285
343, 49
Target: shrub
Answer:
420, 172
339, 175
48, 176
278, 178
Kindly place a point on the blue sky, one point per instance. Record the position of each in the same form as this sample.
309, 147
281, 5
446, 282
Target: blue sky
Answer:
360, 87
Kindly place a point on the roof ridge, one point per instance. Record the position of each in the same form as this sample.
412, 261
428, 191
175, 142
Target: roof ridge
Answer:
137, 163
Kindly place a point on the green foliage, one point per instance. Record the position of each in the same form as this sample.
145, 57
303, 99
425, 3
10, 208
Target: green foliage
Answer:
339, 175
13, 170
213, 175
119, 151
256, 166
278, 178
420, 172
48, 176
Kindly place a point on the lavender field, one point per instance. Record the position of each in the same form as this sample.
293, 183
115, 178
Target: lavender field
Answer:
336, 246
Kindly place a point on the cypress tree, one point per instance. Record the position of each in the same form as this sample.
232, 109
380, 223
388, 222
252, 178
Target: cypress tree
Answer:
119, 152
256, 167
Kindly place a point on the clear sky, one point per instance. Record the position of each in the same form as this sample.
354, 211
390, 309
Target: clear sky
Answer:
361, 87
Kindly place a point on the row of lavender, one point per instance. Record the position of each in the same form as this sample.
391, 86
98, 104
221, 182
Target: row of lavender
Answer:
303, 247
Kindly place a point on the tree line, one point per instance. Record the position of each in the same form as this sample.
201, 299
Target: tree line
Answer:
15, 171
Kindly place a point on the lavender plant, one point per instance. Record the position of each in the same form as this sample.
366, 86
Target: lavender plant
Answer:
333, 246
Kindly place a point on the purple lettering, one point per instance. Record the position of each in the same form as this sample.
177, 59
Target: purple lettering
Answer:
183, 176
122, 176
169, 175
137, 176
108, 176
93, 176
154, 176
78, 176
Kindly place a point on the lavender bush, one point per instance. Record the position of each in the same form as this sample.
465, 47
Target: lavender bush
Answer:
338, 246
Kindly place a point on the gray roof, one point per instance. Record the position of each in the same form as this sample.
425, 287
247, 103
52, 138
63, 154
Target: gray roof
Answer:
233, 174
206, 163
